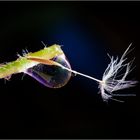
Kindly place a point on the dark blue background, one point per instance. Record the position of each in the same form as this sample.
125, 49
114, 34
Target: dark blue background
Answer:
87, 31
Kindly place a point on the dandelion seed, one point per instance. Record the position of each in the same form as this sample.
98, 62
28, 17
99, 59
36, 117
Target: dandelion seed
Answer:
110, 81
113, 79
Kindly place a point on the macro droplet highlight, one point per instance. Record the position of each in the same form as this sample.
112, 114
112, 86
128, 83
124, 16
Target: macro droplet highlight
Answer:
51, 76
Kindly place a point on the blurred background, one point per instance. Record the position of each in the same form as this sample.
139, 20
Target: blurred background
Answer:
87, 31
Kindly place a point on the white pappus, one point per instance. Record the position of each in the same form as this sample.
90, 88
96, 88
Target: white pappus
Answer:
114, 77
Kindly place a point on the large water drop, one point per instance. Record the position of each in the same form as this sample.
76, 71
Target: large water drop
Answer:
51, 75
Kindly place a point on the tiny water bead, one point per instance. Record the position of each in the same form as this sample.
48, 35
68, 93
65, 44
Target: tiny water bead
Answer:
52, 76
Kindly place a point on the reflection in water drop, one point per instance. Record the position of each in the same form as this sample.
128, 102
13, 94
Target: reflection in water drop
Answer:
51, 75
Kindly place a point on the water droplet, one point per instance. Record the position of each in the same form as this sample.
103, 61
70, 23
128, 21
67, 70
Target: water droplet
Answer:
51, 75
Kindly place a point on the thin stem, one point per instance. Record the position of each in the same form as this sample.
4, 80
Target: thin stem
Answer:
50, 62
84, 75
